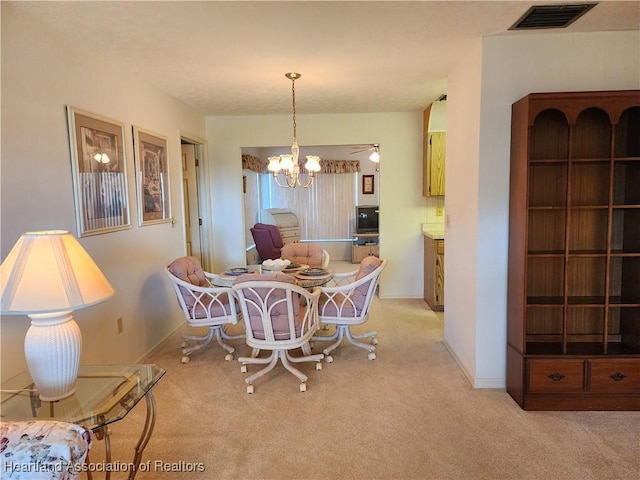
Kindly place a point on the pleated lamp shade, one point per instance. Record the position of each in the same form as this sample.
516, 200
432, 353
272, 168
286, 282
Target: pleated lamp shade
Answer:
47, 275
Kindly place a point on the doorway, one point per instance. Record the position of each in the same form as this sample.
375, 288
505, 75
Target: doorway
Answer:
191, 177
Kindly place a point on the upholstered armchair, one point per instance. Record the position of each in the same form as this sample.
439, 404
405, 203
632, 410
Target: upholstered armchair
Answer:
43, 449
268, 241
203, 305
279, 317
346, 302
306, 254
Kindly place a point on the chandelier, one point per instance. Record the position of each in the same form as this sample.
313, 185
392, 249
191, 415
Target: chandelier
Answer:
287, 165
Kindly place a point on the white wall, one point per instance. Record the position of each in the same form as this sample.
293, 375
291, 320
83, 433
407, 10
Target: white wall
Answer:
511, 67
461, 229
402, 207
41, 73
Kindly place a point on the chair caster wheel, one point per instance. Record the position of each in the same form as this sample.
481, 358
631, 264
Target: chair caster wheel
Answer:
374, 341
318, 366
249, 389
303, 387
228, 357
243, 369
185, 359
328, 359
371, 356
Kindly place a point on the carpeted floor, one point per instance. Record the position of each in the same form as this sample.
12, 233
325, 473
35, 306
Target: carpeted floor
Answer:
409, 414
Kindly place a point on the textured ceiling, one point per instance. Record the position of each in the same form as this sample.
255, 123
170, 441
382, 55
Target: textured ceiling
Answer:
230, 57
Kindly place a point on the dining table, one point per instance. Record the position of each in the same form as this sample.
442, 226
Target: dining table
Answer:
305, 276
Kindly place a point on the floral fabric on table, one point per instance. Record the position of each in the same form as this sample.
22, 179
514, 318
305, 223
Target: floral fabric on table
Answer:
38, 450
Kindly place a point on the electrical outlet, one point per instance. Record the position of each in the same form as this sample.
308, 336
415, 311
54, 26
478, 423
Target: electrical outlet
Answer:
120, 327
439, 211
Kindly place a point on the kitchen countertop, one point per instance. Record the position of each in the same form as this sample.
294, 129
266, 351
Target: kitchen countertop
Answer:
434, 231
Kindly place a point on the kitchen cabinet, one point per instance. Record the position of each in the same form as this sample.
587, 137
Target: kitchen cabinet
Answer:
434, 272
434, 151
573, 305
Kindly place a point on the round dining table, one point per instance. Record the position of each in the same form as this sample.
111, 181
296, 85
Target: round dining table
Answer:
228, 277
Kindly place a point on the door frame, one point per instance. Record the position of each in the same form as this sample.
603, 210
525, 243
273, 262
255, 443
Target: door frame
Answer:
204, 206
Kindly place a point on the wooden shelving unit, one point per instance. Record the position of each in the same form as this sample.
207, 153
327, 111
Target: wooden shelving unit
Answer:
363, 245
574, 252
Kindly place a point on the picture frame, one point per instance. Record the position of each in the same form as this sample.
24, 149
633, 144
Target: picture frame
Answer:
99, 171
368, 183
152, 177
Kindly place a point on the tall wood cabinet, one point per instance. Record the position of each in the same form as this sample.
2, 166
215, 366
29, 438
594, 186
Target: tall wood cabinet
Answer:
574, 252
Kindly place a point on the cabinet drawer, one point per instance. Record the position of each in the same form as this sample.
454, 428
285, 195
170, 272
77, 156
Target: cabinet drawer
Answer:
440, 247
555, 376
615, 376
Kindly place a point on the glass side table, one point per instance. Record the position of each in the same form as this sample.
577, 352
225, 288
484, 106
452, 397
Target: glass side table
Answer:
104, 394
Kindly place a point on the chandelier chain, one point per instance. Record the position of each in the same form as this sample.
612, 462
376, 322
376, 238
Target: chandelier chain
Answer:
293, 94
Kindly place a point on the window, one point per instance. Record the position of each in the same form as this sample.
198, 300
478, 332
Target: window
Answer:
325, 210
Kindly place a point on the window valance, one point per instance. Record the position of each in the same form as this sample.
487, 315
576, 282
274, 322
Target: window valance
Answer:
255, 164
249, 162
340, 166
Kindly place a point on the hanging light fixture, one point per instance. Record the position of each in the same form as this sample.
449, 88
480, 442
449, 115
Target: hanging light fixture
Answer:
287, 165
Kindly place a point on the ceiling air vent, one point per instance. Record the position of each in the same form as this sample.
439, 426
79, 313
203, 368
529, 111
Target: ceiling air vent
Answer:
551, 16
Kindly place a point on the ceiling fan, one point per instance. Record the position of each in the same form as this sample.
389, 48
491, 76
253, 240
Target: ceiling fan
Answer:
375, 147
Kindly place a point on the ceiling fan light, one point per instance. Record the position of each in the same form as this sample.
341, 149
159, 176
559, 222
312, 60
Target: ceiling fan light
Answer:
375, 156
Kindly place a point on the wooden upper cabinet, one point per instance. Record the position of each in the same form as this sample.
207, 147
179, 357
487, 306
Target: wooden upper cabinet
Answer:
433, 154
425, 121
436, 153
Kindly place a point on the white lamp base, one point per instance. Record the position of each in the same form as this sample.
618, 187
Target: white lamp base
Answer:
52, 348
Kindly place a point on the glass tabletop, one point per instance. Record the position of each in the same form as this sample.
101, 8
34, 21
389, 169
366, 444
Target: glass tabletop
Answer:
227, 280
104, 394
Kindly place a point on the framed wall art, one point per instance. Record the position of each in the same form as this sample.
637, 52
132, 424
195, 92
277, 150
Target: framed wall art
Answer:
99, 173
368, 184
152, 177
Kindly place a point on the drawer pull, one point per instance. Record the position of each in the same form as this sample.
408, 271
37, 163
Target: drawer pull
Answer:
617, 377
556, 376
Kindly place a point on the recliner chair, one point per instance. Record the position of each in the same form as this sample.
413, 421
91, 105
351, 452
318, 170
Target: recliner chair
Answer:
268, 241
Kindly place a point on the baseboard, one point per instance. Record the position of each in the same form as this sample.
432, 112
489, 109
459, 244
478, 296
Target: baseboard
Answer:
401, 297
493, 383
161, 342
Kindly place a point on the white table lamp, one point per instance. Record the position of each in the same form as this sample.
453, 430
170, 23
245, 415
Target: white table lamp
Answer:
46, 276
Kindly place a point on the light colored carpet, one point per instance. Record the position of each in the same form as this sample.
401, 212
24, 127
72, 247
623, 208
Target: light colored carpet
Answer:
409, 414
